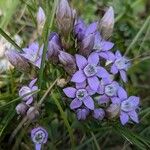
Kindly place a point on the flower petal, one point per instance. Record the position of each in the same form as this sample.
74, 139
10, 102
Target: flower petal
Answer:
118, 54
89, 103
75, 104
90, 91
103, 99
32, 82
93, 58
115, 100
81, 61
134, 116
102, 73
122, 93
114, 69
93, 83
106, 45
29, 101
91, 28
123, 75
70, 92
78, 77
124, 118
134, 101
110, 56
81, 85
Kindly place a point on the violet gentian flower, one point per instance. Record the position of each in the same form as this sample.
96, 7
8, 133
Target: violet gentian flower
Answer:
128, 106
32, 113
28, 89
21, 108
41, 18
17, 60
68, 62
89, 70
65, 17
39, 136
82, 113
98, 113
107, 23
33, 53
107, 89
54, 46
79, 29
80, 95
87, 43
103, 47
120, 64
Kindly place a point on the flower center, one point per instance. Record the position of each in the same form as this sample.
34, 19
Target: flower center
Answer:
110, 90
126, 106
39, 137
122, 63
90, 70
97, 47
81, 94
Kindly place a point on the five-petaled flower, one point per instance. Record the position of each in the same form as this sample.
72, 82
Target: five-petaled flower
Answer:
81, 95
120, 64
89, 70
128, 106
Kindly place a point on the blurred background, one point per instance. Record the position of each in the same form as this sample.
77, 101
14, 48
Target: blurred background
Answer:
131, 35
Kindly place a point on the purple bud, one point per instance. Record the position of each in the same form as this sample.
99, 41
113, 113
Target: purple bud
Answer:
32, 113
21, 108
82, 114
41, 17
99, 114
113, 110
39, 135
17, 60
54, 46
107, 23
79, 29
65, 17
68, 62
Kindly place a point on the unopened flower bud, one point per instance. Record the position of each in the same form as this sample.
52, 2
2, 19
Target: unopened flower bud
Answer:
21, 109
17, 60
113, 111
41, 18
107, 23
68, 62
65, 17
32, 113
82, 114
54, 46
99, 114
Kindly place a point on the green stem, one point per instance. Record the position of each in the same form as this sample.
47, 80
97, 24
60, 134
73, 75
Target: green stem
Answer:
48, 24
64, 117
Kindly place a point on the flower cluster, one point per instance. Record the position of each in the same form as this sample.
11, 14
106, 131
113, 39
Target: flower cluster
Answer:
26, 106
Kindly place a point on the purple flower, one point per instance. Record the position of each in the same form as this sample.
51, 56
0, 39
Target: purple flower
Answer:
107, 89
120, 64
87, 43
103, 47
65, 17
98, 113
79, 29
32, 113
41, 18
39, 135
107, 23
68, 62
17, 60
128, 106
21, 109
26, 90
34, 54
89, 70
82, 113
54, 46
81, 95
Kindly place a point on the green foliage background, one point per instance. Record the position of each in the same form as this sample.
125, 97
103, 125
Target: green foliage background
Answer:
131, 34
